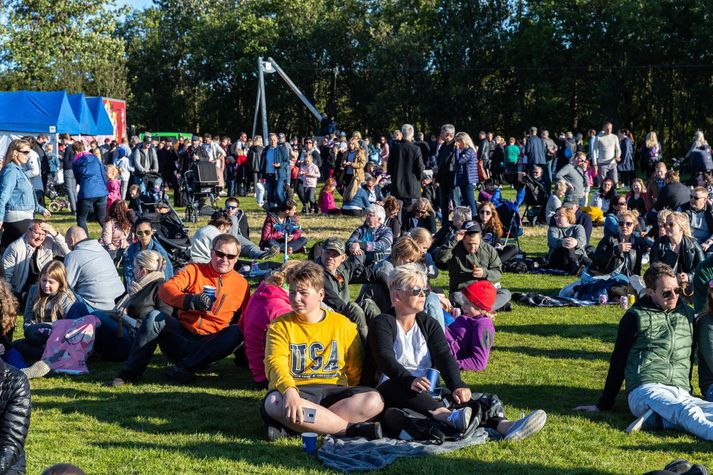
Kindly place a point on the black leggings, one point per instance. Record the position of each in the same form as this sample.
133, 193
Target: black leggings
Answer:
353, 212
396, 396
11, 232
566, 260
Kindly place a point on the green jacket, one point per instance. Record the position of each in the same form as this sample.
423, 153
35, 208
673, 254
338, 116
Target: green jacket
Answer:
701, 278
460, 263
661, 351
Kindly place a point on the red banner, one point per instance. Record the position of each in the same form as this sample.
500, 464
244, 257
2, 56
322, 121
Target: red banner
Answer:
117, 114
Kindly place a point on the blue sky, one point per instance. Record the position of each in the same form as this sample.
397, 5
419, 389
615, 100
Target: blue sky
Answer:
139, 4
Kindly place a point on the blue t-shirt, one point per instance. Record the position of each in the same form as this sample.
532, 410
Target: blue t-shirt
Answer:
270, 160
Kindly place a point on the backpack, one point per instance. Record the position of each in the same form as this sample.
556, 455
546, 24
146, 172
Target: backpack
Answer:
70, 343
406, 424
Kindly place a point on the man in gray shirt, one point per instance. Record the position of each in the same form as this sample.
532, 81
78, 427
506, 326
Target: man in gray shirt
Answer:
607, 154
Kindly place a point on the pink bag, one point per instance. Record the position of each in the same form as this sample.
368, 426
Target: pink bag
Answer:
70, 343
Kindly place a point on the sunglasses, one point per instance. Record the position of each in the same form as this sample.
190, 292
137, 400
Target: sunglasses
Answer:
231, 207
621, 203
24, 152
667, 294
482, 211
626, 224
224, 255
143, 233
416, 291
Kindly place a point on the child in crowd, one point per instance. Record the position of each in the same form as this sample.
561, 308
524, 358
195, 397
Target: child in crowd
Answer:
124, 165
326, 197
8, 318
113, 185
54, 164
472, 333
490, 192
309, 173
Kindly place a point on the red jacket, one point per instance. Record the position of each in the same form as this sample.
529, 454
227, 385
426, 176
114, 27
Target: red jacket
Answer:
269, 231
231, 296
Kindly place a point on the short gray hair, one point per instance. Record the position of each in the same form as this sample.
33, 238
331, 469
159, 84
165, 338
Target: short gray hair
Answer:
407, 274
448, 129
463, 213
379, 212
407, 130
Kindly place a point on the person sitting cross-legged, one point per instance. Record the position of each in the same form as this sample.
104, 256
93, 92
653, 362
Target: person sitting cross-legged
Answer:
205, 329
405, 344
652, 354
313, 362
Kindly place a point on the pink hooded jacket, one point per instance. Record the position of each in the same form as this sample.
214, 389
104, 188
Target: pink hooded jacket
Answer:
266, 304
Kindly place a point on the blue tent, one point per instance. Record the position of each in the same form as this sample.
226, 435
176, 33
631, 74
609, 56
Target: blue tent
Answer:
82, 113
35, 112
101, 118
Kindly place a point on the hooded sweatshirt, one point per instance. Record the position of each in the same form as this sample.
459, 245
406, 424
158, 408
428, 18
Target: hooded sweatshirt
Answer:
266, 304
92, 275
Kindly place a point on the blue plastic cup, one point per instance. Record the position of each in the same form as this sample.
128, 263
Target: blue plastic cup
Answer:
433, 375
309, 442
209, 290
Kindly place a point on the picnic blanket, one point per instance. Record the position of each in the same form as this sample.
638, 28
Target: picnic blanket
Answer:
361, 455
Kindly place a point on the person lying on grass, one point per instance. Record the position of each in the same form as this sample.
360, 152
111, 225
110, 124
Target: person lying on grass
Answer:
652, 354
405, 344
313, 361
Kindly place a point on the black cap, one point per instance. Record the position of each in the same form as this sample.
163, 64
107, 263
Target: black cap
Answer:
471, 227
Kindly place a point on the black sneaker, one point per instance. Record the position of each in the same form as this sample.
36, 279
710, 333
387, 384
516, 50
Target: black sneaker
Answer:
271, 252
368, 430
678, 466
180, 375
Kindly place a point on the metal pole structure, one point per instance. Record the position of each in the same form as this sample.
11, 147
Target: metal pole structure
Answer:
257, 110
295, 89
263, 104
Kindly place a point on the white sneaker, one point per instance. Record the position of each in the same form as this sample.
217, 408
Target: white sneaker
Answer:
37, 370
527, 426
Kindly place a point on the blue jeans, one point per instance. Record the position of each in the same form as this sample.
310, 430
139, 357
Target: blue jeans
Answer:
281, 190
468, 198
189, 350
677, 408
33, 344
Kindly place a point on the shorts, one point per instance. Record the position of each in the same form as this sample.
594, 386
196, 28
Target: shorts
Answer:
324, 395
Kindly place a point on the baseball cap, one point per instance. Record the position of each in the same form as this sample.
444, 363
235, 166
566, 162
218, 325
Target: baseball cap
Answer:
334, 244
471, 227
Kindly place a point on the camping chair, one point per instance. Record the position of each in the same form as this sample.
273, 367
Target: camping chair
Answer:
509, 215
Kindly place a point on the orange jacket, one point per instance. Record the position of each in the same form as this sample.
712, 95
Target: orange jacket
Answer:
231, 295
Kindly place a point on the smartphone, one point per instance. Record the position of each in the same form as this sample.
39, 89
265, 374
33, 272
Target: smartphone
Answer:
309, 414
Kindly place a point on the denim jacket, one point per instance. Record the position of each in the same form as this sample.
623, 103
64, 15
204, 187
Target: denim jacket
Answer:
16, 192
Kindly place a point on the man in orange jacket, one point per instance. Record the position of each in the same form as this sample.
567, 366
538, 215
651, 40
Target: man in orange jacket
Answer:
205, 328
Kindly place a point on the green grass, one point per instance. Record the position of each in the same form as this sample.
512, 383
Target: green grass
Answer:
552, 359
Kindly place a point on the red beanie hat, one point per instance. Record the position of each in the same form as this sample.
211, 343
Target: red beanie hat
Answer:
481, 293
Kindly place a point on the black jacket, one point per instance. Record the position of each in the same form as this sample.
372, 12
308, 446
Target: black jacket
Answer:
406, 167
672, 196
15, 409
446, 164
428, 222
608, 257
146, 300
382, 335
690, 252
336, 290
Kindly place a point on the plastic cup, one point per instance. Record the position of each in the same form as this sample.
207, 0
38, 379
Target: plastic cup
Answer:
433, 375
209, 290
309, 442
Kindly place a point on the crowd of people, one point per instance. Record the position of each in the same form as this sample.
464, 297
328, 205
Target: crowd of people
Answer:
331, 363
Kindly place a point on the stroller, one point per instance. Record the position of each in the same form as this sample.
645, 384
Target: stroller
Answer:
509, 215
171, 233
535, 198
199, 190
57, 195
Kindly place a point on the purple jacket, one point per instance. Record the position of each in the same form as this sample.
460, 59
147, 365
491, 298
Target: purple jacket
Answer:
471, 339
467, 163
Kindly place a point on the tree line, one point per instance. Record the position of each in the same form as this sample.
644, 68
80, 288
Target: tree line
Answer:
500, 65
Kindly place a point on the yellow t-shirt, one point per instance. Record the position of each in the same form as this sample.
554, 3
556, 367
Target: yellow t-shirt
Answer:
326, 352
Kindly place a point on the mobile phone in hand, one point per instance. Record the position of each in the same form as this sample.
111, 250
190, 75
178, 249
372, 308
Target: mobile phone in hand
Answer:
309, 414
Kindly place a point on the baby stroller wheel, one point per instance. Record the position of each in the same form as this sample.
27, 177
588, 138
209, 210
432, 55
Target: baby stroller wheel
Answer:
55, 207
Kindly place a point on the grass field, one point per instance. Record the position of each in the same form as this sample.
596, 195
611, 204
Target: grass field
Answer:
543, 358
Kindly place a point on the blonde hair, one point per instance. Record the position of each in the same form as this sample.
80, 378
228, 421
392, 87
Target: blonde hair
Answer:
407, 274
279, 277
681, 219
150, 261
560, 187
569, 213
306, 272
406, 249
47, 308
112, 172
14, 148
465, 138
421, 235
651, 139
663, 214
629, 213
641, 184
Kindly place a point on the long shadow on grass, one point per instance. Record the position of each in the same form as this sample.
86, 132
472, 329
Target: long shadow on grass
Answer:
555, 354
471, 465
159, 411
603, 331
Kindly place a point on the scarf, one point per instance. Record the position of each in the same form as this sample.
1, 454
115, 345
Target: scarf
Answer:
134, 288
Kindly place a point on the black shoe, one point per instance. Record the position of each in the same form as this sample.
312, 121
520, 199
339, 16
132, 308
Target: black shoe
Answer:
506, 308
271, 252
368, 430
697, 469
180, 375
678, 466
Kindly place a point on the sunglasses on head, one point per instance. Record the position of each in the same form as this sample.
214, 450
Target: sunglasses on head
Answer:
416, 291
224, 255
143, 233
667, 294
